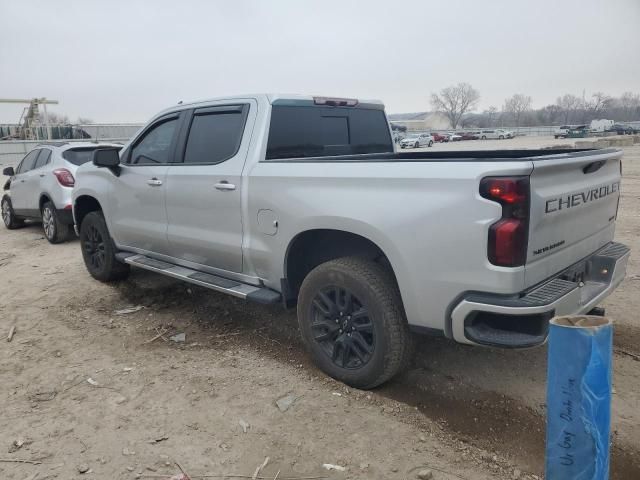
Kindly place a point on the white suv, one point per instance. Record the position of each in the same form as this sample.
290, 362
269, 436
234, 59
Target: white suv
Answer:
40, 187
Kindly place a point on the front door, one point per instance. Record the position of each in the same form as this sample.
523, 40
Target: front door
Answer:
139, 215
204, 187
20, 191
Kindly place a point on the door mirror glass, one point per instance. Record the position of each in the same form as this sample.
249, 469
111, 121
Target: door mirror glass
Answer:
106, 157
8, 171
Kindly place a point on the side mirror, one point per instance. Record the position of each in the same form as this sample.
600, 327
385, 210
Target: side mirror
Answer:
106, 157
8, 171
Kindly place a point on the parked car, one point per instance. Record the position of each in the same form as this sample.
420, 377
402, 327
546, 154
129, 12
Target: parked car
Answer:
562, 132
417, 140
579, 131
499, 134
620, 129
39, 188
439, 137
454, 137
469, 135
368, 243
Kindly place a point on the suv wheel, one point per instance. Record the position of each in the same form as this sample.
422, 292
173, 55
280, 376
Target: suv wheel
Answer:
351, 320
431, 143
501, 137
54, 230
416, 145
9, 217
99, 251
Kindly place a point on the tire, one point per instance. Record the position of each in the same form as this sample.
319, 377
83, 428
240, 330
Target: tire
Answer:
484, 137
8, 215
99, 251
54, 230
379, 344
431, 143
416, 145
501, 137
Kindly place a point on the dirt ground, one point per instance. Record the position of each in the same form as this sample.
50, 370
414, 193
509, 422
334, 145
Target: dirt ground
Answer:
86, 388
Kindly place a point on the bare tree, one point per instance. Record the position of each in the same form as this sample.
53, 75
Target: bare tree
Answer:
630, 104
57, 119
569, 104
455, 101
491, 114
550, 114
597, 107
517, 106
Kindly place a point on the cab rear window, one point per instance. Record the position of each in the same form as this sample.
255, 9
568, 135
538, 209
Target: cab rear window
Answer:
321, 131
79, 156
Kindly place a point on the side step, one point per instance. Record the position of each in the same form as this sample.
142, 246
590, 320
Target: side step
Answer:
214, 282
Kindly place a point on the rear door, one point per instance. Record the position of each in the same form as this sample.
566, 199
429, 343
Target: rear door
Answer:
20, 193
574, 201
204, 187
138, 215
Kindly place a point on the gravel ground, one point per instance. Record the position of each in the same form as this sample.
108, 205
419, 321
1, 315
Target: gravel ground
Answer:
462, 412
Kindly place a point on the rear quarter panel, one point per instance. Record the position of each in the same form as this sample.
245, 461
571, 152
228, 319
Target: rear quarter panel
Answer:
427, 217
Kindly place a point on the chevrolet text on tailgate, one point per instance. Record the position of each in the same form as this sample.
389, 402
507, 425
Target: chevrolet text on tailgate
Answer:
303, 201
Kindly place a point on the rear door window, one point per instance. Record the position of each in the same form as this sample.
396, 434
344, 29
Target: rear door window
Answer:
319, 131
43, 158
79, 156
215, 134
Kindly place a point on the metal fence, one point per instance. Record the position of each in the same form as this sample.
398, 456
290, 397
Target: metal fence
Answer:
12, 151
94, 131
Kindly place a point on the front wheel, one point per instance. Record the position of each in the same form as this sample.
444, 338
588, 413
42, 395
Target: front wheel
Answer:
501, 137
99, 251
416, 145
352, 322
8, 215
431, 143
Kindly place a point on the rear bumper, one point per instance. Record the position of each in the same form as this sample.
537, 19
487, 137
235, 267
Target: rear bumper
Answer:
521, 320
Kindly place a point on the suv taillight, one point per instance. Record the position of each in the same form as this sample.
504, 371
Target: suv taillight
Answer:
507, 245
64, 176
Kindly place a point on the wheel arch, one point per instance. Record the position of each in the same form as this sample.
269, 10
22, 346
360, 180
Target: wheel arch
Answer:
44, 198
312, 247
83, 205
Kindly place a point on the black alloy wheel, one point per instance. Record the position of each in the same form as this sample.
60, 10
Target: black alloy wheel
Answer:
341, 326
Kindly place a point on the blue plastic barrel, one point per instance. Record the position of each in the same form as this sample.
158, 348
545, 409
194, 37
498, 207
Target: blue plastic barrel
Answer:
579, 398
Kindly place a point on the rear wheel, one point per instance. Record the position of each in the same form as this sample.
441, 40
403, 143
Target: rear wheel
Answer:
484, 137
99, 251
431, 143
501, 137
54, 230
9, 217
416, 145
352, 322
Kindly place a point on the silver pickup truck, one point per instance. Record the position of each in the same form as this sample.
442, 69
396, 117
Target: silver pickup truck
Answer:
303, 201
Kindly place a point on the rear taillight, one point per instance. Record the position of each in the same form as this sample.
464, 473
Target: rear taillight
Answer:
508, 236
64, 176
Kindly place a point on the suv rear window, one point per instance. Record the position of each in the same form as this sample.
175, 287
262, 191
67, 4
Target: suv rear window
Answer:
321, 131
79, 156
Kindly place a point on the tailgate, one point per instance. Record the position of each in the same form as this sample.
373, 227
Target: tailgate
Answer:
574, 201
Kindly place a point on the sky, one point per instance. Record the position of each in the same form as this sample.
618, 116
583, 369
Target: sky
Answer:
125, 60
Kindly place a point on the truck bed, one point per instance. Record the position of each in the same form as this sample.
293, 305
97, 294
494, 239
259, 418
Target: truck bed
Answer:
458, 156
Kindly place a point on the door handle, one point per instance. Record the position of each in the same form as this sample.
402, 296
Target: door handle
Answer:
42, 175
154, 182
225, 186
